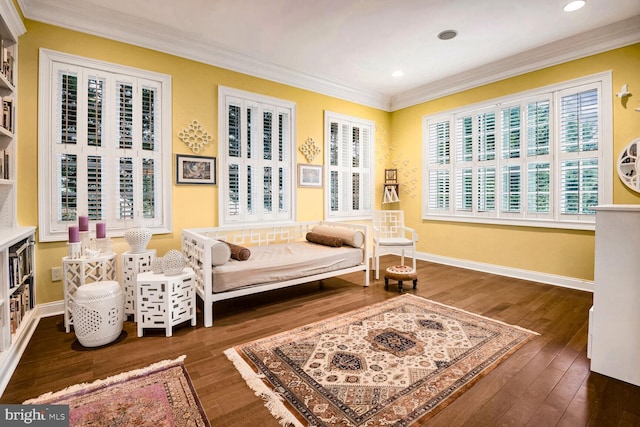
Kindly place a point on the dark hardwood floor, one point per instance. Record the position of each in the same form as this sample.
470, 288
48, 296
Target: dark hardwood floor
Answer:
545, 383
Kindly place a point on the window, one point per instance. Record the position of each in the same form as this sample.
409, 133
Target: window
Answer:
104, 145
537, 158
349, 166
256, 158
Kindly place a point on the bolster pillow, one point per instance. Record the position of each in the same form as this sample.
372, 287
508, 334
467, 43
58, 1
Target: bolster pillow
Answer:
353, 238
220, 253
323, 239
238, 252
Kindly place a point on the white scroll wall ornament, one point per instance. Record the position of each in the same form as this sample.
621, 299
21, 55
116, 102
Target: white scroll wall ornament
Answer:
195, 136
310, 149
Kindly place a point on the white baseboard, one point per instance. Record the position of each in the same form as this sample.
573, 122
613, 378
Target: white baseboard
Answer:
51, 308
535, 276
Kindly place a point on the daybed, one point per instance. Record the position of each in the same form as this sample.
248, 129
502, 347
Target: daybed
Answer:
280, 256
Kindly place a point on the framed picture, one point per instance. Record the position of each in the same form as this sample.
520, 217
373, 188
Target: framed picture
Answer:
309, 176
195, 169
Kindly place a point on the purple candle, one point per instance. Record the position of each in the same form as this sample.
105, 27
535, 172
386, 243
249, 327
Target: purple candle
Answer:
101, 230
83, 222
74, 234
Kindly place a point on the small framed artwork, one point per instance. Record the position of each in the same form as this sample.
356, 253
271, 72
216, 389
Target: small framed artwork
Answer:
309, 176
195, 169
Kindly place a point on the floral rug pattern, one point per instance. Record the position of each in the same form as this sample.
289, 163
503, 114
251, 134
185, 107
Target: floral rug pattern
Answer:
159, 395
392, 363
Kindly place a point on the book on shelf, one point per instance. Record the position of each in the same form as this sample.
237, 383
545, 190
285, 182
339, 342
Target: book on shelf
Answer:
19, 305
4, 164
7, 60
20, 264
7, 113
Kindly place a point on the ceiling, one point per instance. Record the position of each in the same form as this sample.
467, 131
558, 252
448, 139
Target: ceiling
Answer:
349, 48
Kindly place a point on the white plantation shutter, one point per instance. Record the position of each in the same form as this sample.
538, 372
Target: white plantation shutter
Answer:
439, 190
464, 138
511, 159
486, 189
464, 190
486, 136
438, 165
256, 135
349, 166
539, 188
511, 188
439, 143
538, 138
106, 142
579, 150
511, 141
533, 158
347, 186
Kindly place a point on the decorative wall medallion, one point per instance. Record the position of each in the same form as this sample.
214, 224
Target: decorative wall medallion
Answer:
310, 149
195, 136
628, 165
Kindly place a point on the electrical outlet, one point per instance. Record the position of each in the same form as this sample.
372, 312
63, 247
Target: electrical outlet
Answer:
56, 274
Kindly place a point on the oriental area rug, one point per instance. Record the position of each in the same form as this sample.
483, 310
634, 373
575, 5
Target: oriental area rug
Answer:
158, 395
389, 364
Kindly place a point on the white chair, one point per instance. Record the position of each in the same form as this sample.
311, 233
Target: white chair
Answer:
390, 236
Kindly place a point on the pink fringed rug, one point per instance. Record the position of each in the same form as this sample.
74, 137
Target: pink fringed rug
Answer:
395, 363
158, 395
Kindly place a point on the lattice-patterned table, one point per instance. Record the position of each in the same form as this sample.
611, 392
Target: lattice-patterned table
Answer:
132, 264
80, 271
165, 301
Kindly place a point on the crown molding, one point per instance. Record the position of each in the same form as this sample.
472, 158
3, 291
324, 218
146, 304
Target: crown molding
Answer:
105, 23
592, 42
12, 20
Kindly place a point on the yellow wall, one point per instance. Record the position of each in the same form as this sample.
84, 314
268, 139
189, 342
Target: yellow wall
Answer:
552, 251
195, 97
398, 145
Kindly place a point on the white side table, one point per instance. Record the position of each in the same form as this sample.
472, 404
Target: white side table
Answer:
132, 264
165, 301
80, 271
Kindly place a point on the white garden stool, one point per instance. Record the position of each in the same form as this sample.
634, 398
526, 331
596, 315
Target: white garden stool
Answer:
98, 313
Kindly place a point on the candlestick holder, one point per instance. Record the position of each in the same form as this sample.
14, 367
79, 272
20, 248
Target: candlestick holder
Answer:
85, 240
75, 250
103, 245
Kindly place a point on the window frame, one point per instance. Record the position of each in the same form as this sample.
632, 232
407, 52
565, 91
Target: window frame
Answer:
367, 191
230, 96
50, 228
554, 219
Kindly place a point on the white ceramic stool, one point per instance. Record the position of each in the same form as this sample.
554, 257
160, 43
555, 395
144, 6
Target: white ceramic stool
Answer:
98, 313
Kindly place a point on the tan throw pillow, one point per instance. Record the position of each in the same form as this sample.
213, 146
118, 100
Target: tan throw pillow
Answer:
238, 252
353, 238
322, 239
220, 253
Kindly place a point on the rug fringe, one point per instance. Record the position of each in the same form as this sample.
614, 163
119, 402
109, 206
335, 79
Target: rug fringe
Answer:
272, 401
107, 381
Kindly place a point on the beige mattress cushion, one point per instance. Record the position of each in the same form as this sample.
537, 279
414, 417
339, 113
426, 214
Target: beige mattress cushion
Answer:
280, 262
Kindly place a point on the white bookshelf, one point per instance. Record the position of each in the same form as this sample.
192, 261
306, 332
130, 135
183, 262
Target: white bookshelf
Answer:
17, 285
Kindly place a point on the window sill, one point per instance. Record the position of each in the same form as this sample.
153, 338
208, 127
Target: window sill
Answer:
539, 223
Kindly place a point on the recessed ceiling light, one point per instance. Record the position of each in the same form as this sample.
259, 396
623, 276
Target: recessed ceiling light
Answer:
398, 73
447, 34
574, 5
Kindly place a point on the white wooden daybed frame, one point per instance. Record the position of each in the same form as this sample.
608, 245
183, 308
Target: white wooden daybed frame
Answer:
197, 243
